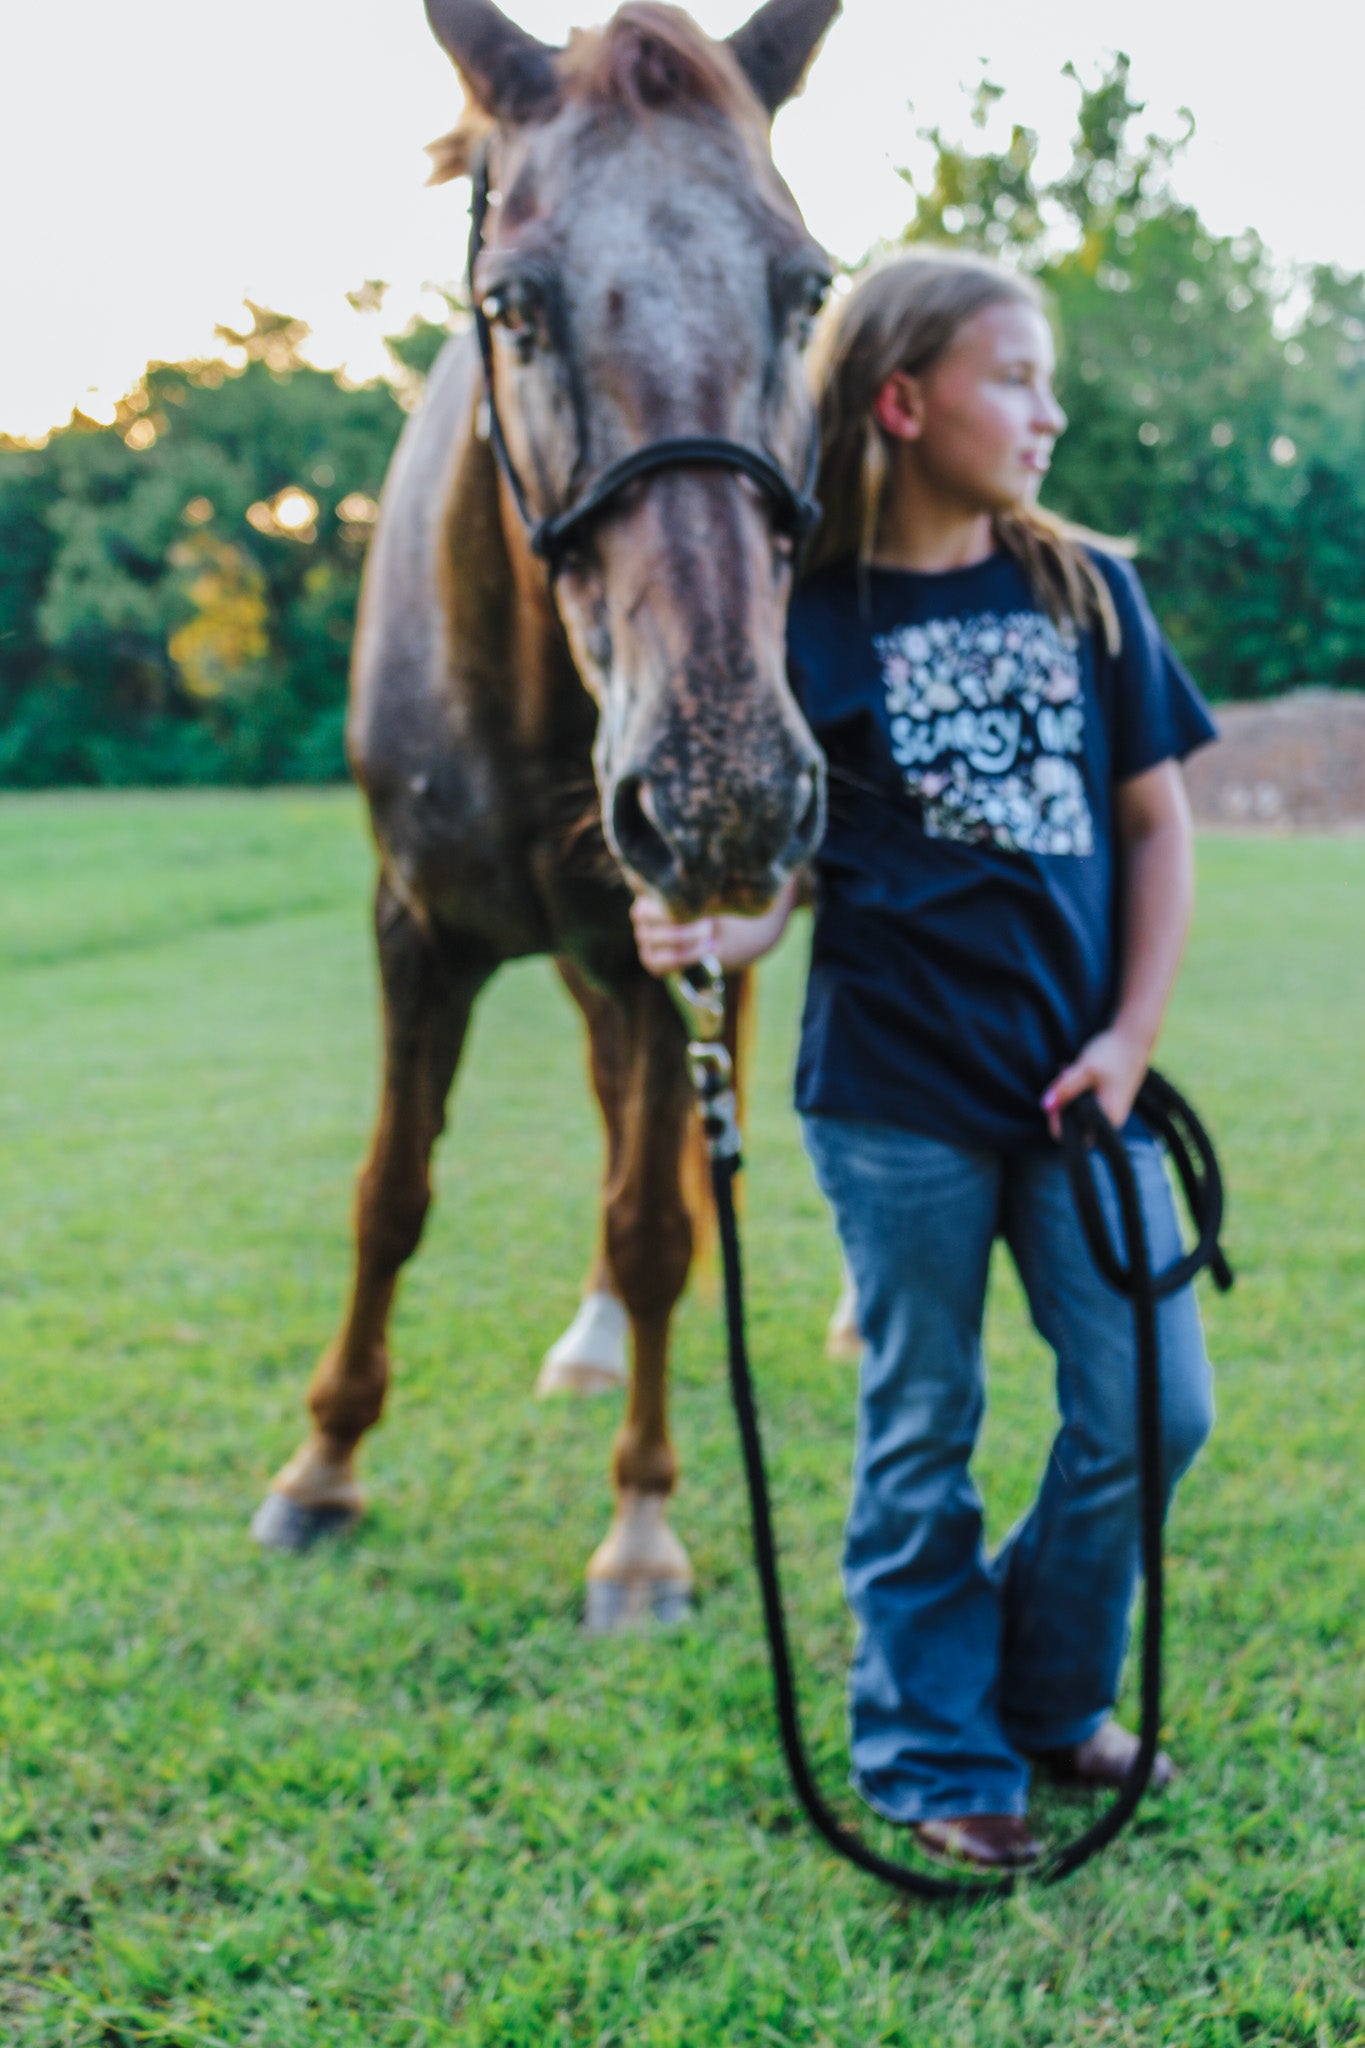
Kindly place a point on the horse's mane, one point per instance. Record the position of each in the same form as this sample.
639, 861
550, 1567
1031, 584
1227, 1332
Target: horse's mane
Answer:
649, 56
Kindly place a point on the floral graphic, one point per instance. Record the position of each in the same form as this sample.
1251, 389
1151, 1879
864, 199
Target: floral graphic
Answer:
987, 723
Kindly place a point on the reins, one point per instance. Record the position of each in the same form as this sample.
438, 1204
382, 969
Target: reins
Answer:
1087, 1135
555, 536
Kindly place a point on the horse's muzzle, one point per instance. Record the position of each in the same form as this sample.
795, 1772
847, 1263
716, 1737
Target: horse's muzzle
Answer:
730, 849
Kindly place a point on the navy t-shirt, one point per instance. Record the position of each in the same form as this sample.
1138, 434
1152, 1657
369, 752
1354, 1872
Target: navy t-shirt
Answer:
966, 939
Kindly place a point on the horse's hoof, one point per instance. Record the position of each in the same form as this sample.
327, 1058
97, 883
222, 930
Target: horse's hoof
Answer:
590, 1358
843, 1339
614, 1604
280, 1523
577, 1377
843, 1344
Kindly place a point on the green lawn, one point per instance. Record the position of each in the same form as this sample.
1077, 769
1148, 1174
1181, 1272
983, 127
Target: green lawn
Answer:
390, 1794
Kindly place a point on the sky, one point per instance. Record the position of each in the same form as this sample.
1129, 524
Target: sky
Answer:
160, 162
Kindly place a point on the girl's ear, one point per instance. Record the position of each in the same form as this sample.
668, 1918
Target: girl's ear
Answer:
898, 407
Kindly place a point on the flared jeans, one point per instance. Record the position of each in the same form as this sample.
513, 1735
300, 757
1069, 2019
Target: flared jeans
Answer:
967, 1663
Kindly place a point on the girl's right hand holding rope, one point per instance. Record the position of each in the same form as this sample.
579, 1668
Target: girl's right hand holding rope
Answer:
666, 946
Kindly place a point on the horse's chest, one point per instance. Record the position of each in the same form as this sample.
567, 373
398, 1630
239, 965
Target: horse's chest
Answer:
517, 861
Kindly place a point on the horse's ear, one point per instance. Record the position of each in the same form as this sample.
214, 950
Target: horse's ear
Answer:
509, 74
775, 46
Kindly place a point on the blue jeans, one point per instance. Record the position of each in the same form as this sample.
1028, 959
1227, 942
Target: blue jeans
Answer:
966, 1663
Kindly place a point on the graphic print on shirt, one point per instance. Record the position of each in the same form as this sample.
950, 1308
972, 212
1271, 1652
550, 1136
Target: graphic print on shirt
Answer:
987, 725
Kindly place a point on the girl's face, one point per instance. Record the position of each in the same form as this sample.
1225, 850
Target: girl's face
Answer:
982, 420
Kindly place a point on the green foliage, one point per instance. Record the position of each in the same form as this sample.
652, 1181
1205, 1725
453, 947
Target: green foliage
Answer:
177, 589
159, 623
1216, 420
421, 341
389, 1794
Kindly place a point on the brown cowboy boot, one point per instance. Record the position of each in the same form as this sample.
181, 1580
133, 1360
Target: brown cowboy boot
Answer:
986, 1841
1103, 1760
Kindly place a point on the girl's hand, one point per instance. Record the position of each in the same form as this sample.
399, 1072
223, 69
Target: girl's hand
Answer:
665, 947
1113, 1064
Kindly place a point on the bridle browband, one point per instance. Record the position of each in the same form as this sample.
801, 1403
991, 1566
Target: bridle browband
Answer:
553, 538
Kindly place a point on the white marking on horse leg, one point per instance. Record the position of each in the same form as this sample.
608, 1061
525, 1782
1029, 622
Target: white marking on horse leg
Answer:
590, 1358
315, 1479
843, 1339
640, 1571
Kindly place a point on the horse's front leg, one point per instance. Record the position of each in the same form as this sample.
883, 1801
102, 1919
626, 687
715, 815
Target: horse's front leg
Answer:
428, 991
591, 1356
641, 1569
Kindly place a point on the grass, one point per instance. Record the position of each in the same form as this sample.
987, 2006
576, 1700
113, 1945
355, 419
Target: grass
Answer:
390, 1795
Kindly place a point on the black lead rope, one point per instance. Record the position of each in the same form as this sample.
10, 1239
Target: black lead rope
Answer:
1087, 1136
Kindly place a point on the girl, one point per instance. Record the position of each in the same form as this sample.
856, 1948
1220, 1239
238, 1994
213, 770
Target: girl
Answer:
1001, 902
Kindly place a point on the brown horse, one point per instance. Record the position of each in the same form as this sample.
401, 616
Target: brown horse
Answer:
536, 745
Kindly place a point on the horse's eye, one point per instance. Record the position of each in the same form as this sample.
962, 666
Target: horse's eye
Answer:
506, 309
814, 291
512, 308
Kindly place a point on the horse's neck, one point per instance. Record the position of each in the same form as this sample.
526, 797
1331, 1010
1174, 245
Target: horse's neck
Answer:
503, 622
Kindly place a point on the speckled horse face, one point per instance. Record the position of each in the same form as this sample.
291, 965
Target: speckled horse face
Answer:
647, 276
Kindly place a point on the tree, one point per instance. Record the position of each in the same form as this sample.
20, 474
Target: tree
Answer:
177, 589
1216, 420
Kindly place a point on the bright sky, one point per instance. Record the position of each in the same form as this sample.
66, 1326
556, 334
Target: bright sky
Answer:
158, 162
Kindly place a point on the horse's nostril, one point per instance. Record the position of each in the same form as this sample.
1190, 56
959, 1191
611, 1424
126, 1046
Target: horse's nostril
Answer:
810, 813
638, 840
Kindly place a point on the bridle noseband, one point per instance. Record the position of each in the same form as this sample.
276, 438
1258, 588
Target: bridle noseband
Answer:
553, 538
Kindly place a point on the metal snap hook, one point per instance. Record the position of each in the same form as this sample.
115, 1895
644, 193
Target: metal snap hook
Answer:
698, 994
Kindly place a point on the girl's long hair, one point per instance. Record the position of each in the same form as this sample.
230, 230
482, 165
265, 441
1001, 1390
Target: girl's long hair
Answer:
902, 316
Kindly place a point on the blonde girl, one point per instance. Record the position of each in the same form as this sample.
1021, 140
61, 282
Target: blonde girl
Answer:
1001, 903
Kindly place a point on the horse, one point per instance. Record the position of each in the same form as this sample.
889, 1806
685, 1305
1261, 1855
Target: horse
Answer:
541, 730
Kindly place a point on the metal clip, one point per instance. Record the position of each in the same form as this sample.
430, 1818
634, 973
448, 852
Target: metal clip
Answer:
712, 1079
699, 995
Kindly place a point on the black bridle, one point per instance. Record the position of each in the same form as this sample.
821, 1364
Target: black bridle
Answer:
795, 512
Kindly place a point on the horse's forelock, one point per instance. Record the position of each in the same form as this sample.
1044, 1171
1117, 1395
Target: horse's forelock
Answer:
651, 56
